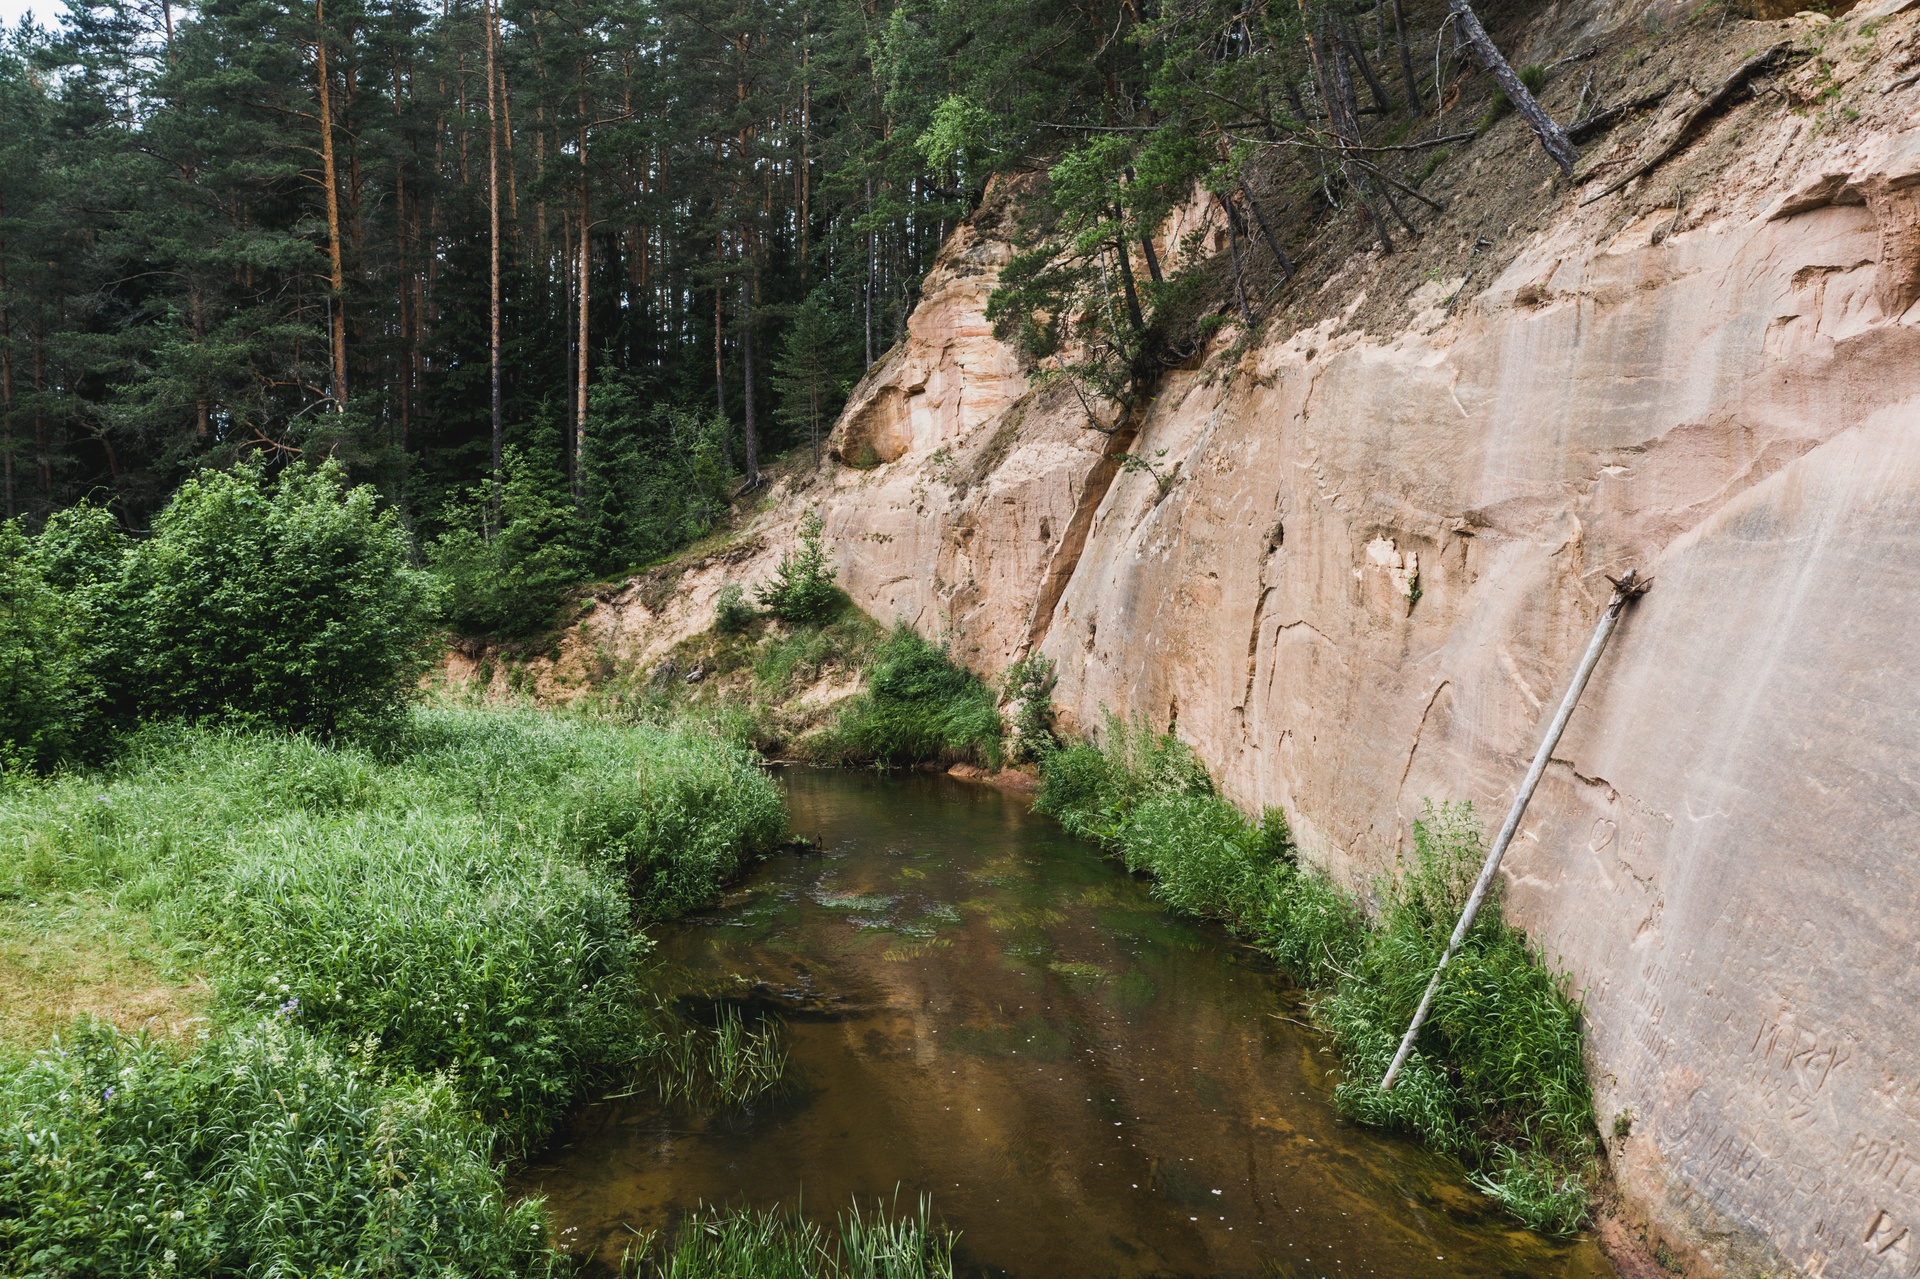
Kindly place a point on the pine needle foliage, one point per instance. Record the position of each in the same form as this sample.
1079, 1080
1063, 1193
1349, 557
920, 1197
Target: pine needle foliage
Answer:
801, 591
1498, 1078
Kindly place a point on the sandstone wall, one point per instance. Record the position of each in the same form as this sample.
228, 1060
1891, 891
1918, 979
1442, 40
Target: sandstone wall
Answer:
1379, 557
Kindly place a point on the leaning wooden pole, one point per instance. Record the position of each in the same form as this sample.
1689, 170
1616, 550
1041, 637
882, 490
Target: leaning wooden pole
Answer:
1625, 589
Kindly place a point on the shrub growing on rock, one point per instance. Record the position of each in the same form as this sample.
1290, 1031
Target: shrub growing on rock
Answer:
801, 591
918, 706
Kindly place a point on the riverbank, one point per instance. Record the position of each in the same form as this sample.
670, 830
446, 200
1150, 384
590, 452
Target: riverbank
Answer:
417, 955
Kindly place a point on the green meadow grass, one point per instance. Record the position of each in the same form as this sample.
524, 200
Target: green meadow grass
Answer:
420, 948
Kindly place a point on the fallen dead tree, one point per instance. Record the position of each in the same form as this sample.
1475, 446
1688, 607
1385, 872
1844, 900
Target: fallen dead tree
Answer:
1704, 110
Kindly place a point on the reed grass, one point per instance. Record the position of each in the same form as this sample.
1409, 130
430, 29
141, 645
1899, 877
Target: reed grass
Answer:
730, 1243
1498, 1078
270, 1152
726, 1065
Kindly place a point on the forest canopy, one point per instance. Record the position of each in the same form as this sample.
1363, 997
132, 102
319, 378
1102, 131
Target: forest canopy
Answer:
558, 275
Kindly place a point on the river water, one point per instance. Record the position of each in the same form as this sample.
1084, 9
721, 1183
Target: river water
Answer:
987, 1012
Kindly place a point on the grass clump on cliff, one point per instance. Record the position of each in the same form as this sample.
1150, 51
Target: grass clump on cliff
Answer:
919, 706
1497, 1078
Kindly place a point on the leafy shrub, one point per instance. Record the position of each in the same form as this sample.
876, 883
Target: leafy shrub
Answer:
44, 691
505, 560
288, 602
268, 1152
1029, 685
731, 612
802, 590
918, 706
1498, 1078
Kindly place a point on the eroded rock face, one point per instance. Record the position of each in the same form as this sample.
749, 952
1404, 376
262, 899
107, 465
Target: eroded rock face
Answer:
1377, 562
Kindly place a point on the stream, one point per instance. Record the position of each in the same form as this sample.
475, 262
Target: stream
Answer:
986, 1011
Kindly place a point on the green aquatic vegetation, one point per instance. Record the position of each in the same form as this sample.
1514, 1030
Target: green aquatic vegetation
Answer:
727, 1064
1033, 1036
1085, 976
740, 1243
1133, 990
871, 903
268, 1152
1497, 1079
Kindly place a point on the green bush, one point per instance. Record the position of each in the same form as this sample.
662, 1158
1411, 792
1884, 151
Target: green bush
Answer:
801, 591
918, 706
1498, 1078
268, 1152
506, 560
731, 612
44, 691
289, 601
1029, 685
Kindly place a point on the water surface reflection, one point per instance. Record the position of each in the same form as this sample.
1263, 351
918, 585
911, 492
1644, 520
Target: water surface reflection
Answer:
986, 1011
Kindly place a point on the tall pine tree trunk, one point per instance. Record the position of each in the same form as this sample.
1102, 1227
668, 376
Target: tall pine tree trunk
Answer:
336, 277
750, 434
493, 236
580, 352
1415, 107
6, 376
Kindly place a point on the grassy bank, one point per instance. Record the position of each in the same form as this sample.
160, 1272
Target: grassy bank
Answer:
1497, 1078
418, 954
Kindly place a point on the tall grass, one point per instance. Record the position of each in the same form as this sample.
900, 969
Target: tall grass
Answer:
462, 899
1497, 1078
422, 952
268, 1153
729, 1063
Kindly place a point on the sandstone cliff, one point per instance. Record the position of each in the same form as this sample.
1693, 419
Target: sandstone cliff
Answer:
1378, 540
